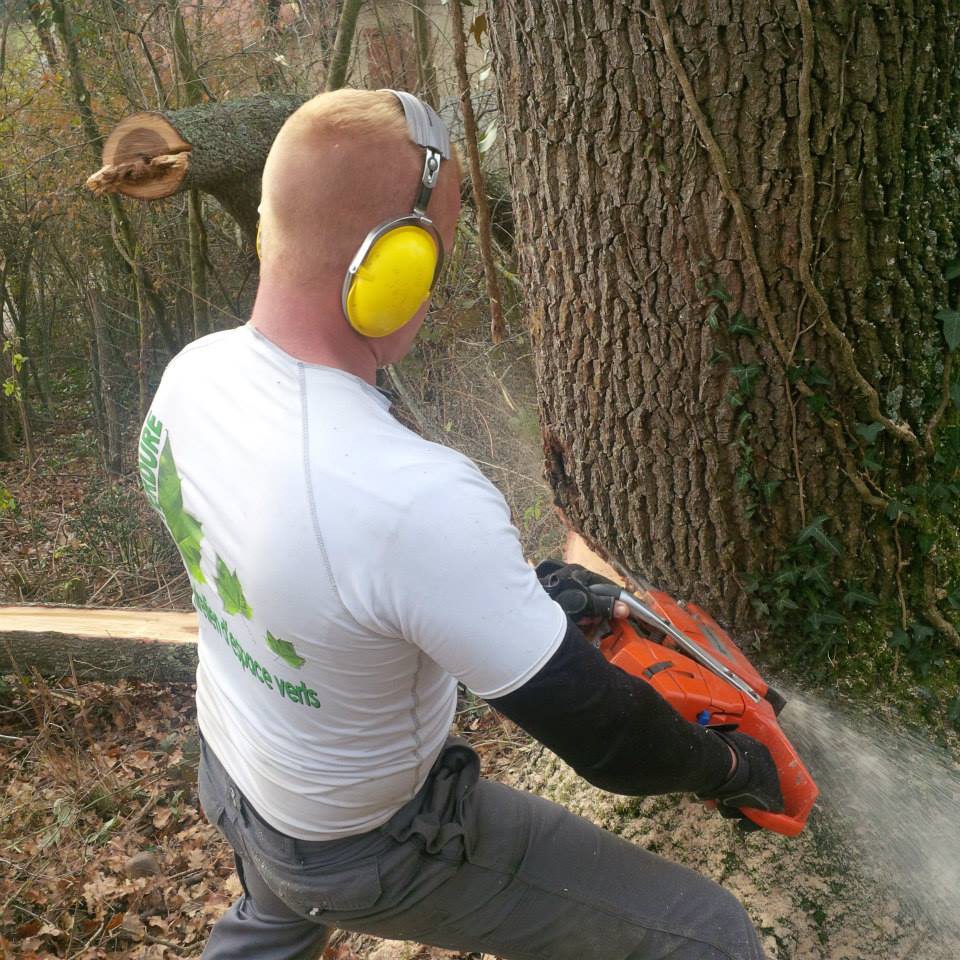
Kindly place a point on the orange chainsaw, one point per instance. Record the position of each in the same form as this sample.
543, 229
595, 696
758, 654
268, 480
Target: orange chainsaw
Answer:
693, 664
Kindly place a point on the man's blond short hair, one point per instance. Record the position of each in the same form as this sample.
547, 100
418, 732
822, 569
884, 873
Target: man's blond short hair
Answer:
341, 164
359, 112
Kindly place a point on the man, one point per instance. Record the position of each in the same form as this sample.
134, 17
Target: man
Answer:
348, 573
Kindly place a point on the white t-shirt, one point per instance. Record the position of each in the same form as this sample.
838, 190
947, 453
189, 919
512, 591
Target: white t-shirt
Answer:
345, 572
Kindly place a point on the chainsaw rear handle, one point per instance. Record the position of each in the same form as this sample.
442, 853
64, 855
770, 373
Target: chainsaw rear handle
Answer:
781, 823
777, 822
797, 785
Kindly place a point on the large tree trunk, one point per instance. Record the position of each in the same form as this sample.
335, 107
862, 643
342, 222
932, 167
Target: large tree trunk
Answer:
735, 222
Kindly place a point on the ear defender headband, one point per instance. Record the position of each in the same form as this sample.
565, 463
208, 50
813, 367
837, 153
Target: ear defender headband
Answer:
393, 273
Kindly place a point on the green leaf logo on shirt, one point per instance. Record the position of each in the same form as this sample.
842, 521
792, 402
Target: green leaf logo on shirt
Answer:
185, 528
286, 650
230, 591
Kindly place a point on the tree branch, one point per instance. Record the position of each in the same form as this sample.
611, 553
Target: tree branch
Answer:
342, 45
497, 328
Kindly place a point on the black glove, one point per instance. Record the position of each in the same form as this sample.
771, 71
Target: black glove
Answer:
569, 585
753, 783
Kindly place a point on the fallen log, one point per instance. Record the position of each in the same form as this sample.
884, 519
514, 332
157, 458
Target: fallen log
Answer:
104, 644
219, 148
110, 644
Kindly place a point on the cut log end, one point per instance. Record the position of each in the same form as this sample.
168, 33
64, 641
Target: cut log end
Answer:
147, 179
144, 157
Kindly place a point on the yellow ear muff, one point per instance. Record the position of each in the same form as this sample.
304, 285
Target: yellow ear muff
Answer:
393, 281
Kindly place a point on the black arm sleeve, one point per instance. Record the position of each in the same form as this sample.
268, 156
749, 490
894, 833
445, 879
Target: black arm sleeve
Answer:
615, 730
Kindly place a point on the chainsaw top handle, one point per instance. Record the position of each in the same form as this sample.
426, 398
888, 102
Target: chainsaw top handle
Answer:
693, 650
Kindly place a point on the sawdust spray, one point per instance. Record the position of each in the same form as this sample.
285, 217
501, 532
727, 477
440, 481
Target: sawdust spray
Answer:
892, 795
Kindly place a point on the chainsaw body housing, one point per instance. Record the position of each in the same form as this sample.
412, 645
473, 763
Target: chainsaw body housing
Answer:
702, 696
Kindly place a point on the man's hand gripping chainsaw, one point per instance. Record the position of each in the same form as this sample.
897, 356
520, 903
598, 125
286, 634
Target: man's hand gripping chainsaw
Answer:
695, 666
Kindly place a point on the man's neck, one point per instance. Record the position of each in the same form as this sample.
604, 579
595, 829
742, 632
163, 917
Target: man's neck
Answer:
312, 329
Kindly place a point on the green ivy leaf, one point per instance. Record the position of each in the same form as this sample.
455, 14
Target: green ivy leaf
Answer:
815, 532
186, 529
718, 293
816, 376
951, 327
769, 488
230, 591
819, 619
285, 650
719, 356
953, 711
740, 326
943, 494
896, 507
899, 638
952, 270
869, 432
853, 597
955, 394
746, 374
833, 619
787, 577
926, 542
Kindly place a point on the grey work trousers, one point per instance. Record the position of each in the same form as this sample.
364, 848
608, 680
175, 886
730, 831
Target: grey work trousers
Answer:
470, 865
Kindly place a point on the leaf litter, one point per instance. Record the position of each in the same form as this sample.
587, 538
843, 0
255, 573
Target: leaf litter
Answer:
106, 855
104, 849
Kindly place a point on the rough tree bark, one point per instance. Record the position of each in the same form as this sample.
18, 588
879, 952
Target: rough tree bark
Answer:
737, 225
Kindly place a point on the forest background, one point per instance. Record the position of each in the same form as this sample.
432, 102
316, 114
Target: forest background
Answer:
99, 293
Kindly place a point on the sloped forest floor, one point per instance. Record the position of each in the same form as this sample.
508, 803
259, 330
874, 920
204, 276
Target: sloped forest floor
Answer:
103, 850
106, 855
